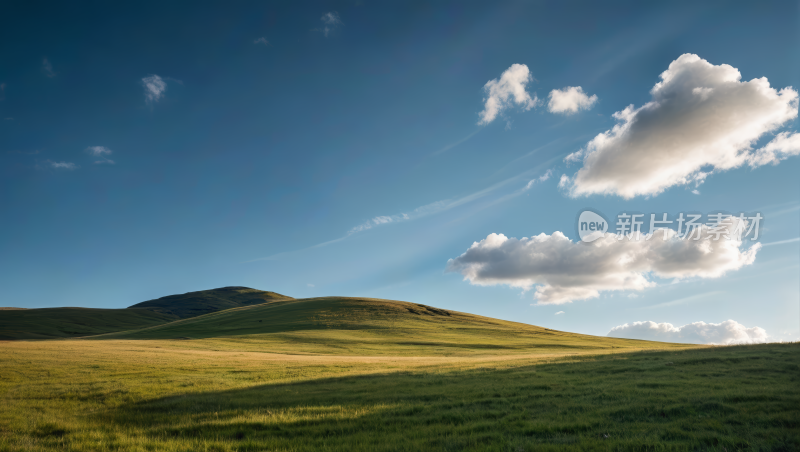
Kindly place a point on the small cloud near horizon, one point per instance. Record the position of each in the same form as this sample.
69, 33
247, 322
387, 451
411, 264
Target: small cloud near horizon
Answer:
726, 333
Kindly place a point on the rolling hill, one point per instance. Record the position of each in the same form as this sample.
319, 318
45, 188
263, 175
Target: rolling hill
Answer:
366, 326
51, 323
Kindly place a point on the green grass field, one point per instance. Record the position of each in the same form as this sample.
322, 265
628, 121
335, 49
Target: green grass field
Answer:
350, 374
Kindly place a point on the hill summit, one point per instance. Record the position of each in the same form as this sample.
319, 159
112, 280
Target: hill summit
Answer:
193, 304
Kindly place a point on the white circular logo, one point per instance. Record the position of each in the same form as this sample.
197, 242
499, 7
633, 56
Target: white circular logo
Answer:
591, 226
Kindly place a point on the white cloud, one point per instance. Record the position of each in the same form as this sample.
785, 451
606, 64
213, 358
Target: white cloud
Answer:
725, 333
310, 285
701, 119
783, 146
696, 192
570, 100
69, 166
331, 21
48, 68
539, 179
98, 151
574, 157
261, 40
563, 271
507, 91
154, 87
101, 152
559, 313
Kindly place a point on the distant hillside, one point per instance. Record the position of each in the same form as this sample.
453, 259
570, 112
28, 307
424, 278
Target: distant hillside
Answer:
366, 326
193, 304
52, 323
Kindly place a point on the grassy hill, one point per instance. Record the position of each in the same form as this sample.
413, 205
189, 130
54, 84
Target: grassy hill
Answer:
52, 323
202, 302
366, 326
359, 374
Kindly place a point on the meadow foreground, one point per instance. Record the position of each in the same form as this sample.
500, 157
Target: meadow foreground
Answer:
215, 395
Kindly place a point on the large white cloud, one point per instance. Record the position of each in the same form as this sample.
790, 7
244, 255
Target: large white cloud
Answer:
563, 271
570, 100
701, 119
725, 333
510, 89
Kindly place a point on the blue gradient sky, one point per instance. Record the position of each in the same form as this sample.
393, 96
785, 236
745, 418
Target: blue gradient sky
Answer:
267, 150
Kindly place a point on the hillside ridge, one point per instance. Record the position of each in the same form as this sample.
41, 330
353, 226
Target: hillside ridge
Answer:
371, 326
72, 322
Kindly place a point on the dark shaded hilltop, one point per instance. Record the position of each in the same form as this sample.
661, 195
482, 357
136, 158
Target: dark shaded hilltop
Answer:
193, 304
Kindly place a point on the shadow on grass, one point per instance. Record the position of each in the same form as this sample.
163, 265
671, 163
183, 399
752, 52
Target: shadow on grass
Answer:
728, 398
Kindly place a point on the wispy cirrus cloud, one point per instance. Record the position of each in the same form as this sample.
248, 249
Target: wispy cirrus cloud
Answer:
441, 206
509, 90
435, 208
454, 144
262, 40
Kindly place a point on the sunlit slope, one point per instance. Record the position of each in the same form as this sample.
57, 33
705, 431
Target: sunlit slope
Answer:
193, 304
342, 325
51, 323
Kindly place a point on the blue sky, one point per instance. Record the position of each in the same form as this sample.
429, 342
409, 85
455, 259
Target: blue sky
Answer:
270, 135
